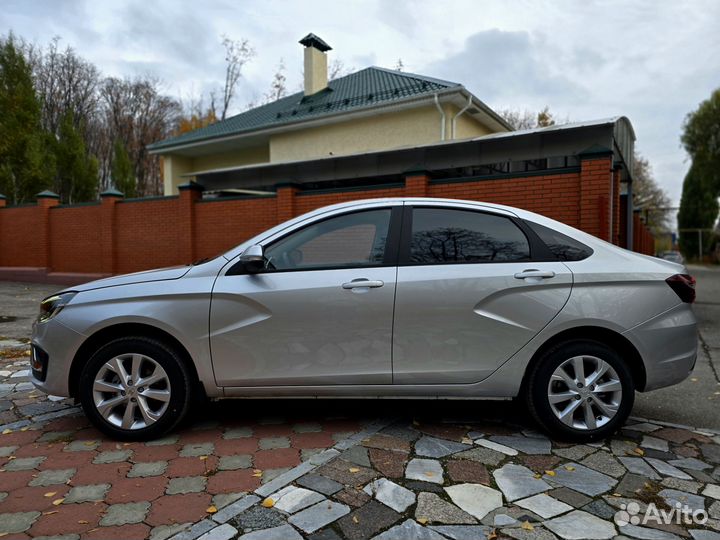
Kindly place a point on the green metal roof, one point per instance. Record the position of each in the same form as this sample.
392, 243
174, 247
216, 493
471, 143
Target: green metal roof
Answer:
367, 88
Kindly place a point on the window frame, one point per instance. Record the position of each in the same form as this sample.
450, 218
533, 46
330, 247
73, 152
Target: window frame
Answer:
390, 255
539, 252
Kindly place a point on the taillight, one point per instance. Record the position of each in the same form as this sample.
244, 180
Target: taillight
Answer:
684, 286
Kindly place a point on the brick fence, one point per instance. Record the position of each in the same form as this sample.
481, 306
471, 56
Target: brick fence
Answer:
50, 242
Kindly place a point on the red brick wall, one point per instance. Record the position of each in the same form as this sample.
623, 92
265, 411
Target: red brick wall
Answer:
19, 245
222, 224
555, 196
119, 236
75, 239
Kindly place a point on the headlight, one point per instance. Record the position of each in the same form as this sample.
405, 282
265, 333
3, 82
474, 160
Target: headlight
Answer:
53, 305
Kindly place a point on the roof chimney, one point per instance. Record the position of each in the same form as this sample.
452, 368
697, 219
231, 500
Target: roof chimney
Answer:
316, 76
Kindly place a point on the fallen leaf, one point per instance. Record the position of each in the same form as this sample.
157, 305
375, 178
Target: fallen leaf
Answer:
83, 521
257, 470
6, 431
354, 470
467, 440
212, 509
416, 423
268, 503
89, 443
422, 521
526, 525
639, 451
355, 519
429, 473
551, 473
537, 475
492, 535
258, 474
58, 502
202, 458
24, 428
51, 512
569, 468
50, 493
616, 495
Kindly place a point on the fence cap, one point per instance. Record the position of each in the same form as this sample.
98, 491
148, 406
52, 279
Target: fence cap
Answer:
112, 193
47, 194
595, 150
2, 197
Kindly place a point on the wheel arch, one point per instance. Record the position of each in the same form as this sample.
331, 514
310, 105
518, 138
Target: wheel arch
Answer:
109, 333
617, 341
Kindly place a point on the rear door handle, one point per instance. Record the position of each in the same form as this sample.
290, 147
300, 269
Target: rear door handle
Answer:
535, 274
363, 283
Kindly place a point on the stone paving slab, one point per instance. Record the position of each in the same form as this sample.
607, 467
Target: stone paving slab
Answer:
507, 499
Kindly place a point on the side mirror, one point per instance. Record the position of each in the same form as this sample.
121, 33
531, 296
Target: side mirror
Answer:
253, 259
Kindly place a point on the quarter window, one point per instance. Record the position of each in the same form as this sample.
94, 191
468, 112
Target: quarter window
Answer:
347, 241
445, 236
562, 246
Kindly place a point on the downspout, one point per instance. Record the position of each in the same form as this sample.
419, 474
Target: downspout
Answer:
442, 118
460, 113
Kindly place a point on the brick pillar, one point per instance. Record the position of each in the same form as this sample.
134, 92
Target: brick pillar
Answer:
416, 184
108, 199
285, 200
45, 201
596, 179
3, 200
190, 193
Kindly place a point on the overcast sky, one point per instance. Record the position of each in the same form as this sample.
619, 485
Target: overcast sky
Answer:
652, 61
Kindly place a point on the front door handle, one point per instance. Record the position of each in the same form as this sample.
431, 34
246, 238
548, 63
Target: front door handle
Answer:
538, 274
363, 283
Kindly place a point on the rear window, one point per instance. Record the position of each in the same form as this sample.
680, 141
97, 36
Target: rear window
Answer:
562, 246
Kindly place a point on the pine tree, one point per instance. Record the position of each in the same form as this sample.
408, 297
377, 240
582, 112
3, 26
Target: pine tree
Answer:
122, 170
76, 171
25, 166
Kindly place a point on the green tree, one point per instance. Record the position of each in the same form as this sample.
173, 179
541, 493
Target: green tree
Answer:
77, 172
701, 138
122, 170
701, 188
25, 168
698, 210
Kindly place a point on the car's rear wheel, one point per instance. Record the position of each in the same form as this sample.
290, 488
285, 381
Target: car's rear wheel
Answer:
135, 388
580, 390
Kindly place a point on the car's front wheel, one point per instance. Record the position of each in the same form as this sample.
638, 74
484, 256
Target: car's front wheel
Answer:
135, 388
580, 390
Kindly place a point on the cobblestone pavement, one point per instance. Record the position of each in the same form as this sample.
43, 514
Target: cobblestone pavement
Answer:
61, 477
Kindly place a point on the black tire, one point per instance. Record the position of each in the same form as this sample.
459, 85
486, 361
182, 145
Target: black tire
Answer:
181, 385
536, 394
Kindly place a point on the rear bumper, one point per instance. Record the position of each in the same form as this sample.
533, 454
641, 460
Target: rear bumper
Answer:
59, 343
668, 346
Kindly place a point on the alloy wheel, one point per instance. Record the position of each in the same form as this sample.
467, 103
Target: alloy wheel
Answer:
131, 391
584, 392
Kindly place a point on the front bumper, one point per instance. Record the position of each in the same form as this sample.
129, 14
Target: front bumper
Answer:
60, 344
668, 345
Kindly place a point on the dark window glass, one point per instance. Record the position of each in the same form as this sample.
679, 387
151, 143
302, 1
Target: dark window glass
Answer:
441, 235
348, 241
562, 246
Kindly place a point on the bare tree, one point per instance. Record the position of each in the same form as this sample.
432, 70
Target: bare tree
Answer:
138, 114
650, 197
518, 119
237, 54
337, 69
278, 85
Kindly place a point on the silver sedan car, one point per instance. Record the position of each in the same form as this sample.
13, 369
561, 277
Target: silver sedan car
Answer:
385, 298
